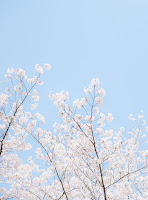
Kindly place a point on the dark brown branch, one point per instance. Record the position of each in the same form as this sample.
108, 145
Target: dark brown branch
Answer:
94, 144
65, 193
10, 123
127, 175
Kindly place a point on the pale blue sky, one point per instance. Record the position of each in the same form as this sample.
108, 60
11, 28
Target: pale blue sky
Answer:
81, 39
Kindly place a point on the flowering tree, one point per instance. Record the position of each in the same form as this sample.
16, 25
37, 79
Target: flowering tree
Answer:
81, 159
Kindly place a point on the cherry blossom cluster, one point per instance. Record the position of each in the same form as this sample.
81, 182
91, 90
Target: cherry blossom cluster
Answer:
82, 157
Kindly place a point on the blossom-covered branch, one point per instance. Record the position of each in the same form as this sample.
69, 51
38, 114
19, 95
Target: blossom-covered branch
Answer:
81, 157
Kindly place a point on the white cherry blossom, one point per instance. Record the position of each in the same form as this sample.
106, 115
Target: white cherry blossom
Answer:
80, 157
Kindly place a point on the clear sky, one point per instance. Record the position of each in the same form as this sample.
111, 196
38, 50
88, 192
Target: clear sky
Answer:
81, 39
